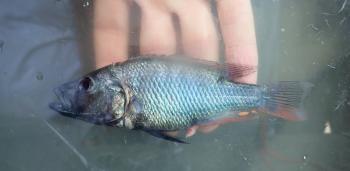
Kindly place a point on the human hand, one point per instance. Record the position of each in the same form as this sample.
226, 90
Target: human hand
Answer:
199, 36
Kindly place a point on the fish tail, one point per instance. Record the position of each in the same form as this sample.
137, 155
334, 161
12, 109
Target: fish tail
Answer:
285, 100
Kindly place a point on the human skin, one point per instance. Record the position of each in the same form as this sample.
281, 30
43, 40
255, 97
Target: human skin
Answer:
199, 35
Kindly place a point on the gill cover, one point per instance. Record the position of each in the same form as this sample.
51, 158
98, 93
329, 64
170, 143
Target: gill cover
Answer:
96, 98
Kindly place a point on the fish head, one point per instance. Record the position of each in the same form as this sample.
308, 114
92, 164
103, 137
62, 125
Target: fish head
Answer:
95, 98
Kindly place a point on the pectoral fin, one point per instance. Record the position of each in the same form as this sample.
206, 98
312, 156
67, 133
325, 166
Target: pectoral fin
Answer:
135, 106
162, 135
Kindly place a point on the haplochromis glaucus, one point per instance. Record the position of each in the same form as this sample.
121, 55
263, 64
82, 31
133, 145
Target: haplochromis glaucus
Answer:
159, 94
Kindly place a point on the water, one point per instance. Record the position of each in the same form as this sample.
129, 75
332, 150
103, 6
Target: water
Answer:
42, 46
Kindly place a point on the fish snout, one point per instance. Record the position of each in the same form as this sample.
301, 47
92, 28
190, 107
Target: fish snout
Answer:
64, 100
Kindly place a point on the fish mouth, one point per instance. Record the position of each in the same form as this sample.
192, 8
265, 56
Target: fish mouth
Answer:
97, 119
63, 104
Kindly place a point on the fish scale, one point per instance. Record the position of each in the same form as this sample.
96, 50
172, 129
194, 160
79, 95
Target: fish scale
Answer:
176, 96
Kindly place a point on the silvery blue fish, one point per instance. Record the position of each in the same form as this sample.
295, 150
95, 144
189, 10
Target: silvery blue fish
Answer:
159, 94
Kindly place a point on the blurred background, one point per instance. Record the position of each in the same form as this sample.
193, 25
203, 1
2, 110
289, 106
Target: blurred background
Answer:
46, 43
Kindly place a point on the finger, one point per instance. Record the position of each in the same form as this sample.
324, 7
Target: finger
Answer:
238, 30
191, 131
172, 133
157, 35
208, 128
198, 33
110, 31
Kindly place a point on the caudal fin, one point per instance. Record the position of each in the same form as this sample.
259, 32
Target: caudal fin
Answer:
285, 99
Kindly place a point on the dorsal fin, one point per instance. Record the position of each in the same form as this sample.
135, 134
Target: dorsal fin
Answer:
229, 71
234, 72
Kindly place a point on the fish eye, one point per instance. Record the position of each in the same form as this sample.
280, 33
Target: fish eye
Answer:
86, 83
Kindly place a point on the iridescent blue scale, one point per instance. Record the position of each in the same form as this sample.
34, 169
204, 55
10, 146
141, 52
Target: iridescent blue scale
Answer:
177, 96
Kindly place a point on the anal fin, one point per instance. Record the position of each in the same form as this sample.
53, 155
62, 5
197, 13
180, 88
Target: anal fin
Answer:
228, 117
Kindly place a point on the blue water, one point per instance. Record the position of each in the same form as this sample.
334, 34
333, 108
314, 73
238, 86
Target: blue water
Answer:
45, 43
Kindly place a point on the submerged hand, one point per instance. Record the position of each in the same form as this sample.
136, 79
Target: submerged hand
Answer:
199, 36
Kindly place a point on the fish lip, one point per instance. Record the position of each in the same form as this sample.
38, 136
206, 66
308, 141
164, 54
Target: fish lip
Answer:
57, 106
62, 104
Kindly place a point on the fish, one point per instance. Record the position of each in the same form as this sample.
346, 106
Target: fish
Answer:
157, 94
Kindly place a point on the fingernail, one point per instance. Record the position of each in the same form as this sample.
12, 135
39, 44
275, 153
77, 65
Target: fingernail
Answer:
191, 131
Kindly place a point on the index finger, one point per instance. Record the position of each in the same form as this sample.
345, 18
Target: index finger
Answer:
238, 30
110, 31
